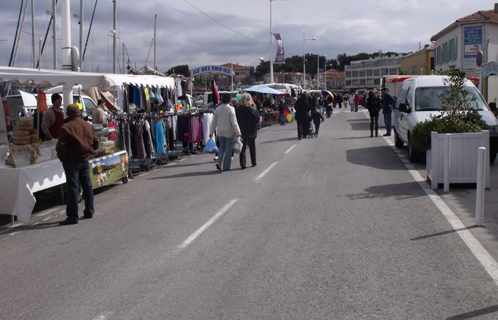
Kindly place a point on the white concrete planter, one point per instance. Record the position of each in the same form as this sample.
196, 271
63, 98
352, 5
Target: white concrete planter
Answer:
463, 158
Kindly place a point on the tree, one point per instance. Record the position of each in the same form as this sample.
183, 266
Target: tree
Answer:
180, 69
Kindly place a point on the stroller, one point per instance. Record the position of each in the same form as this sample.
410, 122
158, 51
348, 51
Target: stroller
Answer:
311, 130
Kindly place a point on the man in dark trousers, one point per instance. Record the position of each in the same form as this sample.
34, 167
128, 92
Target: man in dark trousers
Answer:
77, 141
302, 114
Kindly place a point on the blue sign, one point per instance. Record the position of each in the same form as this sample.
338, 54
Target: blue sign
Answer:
472, 44
206, 69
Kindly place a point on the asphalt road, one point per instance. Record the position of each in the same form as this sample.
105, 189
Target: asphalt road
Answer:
334, 227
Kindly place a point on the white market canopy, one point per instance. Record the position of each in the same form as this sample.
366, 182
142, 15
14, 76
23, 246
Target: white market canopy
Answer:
104, 81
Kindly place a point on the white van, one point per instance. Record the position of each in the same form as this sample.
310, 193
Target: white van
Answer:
418, 99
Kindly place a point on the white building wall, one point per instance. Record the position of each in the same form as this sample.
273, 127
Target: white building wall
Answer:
489, 47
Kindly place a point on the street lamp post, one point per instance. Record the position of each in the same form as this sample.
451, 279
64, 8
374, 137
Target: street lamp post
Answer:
271, 44
304, 59
325, 73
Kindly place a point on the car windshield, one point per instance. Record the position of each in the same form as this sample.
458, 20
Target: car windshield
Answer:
427, 98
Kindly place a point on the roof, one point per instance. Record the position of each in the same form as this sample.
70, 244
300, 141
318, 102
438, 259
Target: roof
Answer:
479, 16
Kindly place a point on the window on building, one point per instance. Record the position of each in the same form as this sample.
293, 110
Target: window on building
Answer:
348, 74
414, 70
455, 44
377, 72
444, 53
370, 82
376, 82
354, 82
362, 73
384, 71
348, 82
355, 74
449, 56
393, 71
369, 73
362, 82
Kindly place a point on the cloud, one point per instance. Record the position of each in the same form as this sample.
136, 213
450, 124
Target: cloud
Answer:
224, 31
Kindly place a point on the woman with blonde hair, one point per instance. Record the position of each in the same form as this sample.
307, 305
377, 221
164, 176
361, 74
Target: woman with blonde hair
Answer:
248, 120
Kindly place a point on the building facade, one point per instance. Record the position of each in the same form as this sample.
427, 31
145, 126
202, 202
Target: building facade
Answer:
366, 74
460, 43
418, 63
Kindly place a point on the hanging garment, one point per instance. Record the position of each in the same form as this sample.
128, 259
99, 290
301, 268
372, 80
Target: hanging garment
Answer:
159, 131
139, 141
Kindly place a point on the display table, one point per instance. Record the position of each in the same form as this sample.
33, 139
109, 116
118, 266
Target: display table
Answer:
17, 186
270, 118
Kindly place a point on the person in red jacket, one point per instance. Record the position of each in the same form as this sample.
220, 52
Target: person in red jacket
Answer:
356, 102
77, 141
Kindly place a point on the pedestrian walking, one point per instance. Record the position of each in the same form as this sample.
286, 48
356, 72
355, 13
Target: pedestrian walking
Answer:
356, 102
302, 108
248, 120
77, 141
317, 119
227, 128
281, 113
387, 109
373, 105
351, 102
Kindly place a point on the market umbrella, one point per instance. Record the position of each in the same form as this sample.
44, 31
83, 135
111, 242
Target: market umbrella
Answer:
328, 92
265, 89
289, 116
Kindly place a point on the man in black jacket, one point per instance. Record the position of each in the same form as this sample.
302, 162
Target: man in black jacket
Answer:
248, 120
302, 114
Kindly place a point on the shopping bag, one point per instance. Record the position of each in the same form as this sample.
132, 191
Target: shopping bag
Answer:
210, 146
237, 145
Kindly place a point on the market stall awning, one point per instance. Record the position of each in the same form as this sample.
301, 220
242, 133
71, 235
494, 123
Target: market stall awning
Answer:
104, 81
264, 89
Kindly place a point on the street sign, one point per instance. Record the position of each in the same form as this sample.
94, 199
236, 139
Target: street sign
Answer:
479, 58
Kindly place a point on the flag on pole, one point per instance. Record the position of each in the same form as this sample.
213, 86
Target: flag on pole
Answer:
280, 56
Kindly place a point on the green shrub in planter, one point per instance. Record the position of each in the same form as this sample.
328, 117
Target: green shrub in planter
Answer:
457, 116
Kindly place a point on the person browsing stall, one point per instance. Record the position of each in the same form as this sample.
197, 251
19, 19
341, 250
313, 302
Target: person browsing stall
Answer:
53, 119
98, 115
77, 141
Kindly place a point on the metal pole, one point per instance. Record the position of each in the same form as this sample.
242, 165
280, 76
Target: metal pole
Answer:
66, 38
481, 163
124, 58
114, 36
231, 61
325, 73
446, 157
271, 44
81, 35
155, 24
317, 71
39, 55
304, 63
54, 29
33, 31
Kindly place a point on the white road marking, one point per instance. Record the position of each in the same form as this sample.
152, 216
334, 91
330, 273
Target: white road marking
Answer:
199, 231
290, 149
266, 171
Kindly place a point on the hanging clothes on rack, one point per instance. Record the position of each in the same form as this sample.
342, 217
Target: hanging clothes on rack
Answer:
160, 139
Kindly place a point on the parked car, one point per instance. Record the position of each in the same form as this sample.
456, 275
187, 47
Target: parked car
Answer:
418, 99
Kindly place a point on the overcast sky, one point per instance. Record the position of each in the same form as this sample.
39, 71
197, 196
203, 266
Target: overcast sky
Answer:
214, 32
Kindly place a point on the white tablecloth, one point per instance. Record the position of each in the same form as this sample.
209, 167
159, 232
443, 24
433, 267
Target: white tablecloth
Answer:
17, 186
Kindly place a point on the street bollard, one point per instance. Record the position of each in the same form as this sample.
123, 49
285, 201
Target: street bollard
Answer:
446, 159
481, 163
